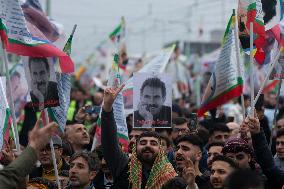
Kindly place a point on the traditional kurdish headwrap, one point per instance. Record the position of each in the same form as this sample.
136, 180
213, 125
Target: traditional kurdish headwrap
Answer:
162, 171
236, 145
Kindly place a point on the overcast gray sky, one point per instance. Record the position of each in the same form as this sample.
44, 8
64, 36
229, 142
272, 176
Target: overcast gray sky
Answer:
150, 23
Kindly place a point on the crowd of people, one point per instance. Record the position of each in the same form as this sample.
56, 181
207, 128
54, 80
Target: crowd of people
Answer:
216, 153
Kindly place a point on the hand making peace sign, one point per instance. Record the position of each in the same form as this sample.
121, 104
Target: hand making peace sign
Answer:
110, 95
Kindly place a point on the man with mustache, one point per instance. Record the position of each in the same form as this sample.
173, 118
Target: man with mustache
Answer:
189, 148
150, 111
148, 167
44, 93
83, 169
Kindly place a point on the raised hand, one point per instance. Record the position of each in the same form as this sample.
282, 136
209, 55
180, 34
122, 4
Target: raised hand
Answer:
253, 124
38, 95
39, 137
8, 154
81, 114
110, 95
189, 174
148, 117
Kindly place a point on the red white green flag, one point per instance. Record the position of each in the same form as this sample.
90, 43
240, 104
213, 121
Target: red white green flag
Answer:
4, 115
18, 39
119, 32
251, 11
225, 83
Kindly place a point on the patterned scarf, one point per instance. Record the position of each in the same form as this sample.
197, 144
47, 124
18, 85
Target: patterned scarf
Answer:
50, 174
162, 171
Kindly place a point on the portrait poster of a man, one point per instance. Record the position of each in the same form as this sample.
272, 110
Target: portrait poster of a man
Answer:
42, 83
152, 100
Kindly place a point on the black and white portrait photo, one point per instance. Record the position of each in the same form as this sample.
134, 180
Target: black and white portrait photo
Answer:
152, 100
42, 83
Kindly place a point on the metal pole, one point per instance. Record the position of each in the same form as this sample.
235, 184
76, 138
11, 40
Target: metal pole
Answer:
251, 67
272, 65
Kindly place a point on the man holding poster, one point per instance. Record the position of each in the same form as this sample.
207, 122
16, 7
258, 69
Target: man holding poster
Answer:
151, 110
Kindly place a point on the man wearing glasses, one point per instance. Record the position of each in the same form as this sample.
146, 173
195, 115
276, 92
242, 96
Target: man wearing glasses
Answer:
180, 127
46, 169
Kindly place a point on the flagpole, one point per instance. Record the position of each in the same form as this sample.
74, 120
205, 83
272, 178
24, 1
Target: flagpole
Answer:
251, 66
238, 61
14, 123
52, 153
266, 78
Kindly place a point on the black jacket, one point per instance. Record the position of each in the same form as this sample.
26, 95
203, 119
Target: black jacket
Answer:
115, 158
265, 159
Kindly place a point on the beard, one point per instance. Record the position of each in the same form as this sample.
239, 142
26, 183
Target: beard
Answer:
147, 155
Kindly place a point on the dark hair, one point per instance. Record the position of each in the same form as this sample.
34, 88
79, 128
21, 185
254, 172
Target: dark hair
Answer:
228, 160
244, 179
175, 183
67, 148
168, 142
280, 132
269, 9
177, 109
89, 157
221, 144
99, 152
246, 97
203, 135
149, 134
180, 120
161, 130
154, 82
37, 60
259, 103
192, 139
219, 127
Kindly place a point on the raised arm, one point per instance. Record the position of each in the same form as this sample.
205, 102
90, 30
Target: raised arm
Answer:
263, 154
113, 154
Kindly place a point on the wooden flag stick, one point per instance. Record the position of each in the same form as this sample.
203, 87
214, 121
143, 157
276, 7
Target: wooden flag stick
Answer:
14, 122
